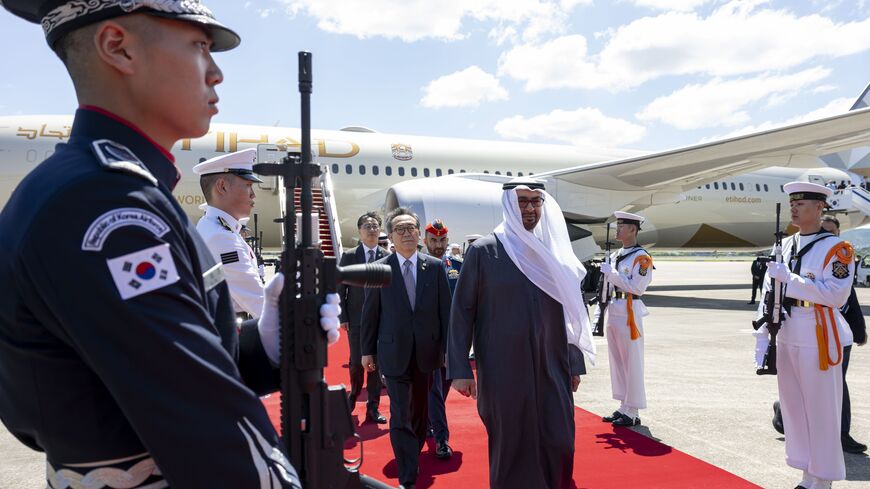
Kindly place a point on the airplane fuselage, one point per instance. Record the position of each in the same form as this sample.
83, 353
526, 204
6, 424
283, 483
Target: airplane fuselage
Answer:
736, 212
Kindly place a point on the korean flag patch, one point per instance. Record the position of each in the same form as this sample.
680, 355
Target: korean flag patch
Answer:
142, 271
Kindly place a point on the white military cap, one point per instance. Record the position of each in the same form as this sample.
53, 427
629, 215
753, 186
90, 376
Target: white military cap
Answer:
59, 17
807, 191
455, 245
628, 218
240, 163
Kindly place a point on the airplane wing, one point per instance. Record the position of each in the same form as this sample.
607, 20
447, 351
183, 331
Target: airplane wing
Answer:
798, 145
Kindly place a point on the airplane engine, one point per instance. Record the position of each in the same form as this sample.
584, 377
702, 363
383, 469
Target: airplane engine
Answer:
466, 206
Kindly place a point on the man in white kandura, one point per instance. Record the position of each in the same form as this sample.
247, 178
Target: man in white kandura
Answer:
227, 184
817, 272
628, 275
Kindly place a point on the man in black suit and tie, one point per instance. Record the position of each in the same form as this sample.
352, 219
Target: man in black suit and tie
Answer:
403, 333
368, 251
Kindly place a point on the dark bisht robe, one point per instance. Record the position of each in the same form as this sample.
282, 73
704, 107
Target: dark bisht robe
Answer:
524, 368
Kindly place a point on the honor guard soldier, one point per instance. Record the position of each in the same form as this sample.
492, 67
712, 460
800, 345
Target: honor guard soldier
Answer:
227, 184
436, 240
816, 274
628, 274
119, 353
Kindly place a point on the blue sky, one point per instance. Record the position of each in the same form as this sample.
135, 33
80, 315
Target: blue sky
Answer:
646, 74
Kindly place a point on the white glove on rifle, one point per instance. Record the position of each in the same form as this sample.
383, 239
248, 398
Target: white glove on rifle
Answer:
269, 324
778, 271
607, 269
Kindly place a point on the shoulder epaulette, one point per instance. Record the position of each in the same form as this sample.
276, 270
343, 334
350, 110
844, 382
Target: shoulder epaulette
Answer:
117, 157
224, 223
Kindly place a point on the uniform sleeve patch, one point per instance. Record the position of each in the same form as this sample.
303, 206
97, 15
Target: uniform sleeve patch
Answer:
106, 224
841, 270
229, 257
143, 271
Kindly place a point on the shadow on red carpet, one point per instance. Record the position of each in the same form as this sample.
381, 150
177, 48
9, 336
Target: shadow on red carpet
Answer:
605, 457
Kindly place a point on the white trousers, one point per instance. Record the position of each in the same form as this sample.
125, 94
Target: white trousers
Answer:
626, 357
811, 402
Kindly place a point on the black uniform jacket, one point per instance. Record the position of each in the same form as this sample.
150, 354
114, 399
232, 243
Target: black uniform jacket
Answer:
117, 335
392, 330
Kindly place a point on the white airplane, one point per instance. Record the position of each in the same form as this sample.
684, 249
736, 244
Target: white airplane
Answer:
714, 195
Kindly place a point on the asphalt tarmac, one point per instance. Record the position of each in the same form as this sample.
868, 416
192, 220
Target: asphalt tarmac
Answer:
703, 395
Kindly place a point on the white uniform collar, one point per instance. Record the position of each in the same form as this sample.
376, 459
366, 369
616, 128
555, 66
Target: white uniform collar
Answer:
219, 215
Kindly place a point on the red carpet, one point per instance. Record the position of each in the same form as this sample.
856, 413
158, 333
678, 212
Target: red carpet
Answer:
605, 457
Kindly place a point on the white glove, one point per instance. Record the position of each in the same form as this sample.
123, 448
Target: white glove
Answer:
269, 324
329, 321
778, 271
762, 341
606, 268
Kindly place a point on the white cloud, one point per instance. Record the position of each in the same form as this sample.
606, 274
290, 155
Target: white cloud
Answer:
723, 102
738, 38
834, 107
560, 63
466, 88
680, 5
585, 127
413, 20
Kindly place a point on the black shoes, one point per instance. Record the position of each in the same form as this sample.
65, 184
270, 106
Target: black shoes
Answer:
850, 445
751, 303
624, 420
376, 417
613, 417
443, 450
777, 419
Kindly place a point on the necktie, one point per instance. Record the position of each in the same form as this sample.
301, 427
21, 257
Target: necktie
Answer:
410, 286
371, 256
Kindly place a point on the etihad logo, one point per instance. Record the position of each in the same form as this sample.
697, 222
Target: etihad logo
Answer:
402, 152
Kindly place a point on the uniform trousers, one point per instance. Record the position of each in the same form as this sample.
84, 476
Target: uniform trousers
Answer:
811, 401
626, 357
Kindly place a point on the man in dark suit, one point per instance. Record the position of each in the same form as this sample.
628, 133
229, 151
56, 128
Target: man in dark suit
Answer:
403, 331
757, 269
369, 226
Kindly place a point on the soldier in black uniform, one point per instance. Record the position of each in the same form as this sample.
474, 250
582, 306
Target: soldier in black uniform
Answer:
118, 345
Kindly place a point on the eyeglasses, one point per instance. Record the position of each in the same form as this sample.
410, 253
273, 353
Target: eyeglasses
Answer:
402, 230
536, 202
370, 227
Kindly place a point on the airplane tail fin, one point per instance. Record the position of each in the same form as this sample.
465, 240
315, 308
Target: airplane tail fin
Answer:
863, 100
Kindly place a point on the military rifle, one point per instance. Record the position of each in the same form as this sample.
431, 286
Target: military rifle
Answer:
603, 292
315, 417
772, 311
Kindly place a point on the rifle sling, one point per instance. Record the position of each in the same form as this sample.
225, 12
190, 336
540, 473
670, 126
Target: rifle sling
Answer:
796, 268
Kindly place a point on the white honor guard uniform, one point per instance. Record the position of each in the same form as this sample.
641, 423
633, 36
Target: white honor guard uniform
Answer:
630, 275
220, 231
817, 282
261, 269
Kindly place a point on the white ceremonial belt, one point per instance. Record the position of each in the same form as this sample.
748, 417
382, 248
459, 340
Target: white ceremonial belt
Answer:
103, 475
